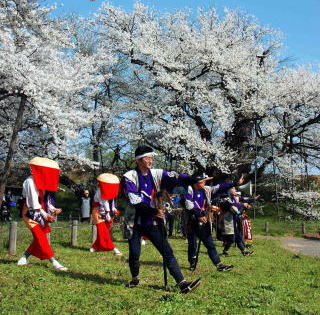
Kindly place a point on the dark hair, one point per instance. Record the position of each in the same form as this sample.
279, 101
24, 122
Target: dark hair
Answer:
142, 149
197, 176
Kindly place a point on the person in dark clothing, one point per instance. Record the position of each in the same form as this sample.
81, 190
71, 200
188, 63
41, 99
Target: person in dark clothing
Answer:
198, 204
231, 209
141, 185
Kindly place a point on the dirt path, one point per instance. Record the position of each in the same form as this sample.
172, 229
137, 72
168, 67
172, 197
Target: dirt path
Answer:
297, 244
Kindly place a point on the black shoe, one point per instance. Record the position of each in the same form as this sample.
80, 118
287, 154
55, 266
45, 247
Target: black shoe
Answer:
225, 254
186, 287
221, 267
192, 267
247, 253
132, 284
192, 264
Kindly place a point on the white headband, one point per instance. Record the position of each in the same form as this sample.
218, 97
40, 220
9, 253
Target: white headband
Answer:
145, 154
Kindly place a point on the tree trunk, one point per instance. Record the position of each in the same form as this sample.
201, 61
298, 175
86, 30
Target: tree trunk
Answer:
239, 140
12, 147
95, 153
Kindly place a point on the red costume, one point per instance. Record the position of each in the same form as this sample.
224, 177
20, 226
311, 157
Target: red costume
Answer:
103, 211
246, 228
38, 210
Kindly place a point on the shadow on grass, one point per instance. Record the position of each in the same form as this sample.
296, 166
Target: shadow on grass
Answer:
157, 287
68, 245
8, 261
151, 263
120, 241
176, 237
14, 262
88, 277
156, 263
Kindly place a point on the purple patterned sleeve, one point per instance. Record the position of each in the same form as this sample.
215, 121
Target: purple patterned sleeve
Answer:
170, 180
192, 206
237, 204
130, 186
132, 192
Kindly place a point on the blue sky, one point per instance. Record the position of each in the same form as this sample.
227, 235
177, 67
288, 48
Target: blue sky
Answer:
298, 20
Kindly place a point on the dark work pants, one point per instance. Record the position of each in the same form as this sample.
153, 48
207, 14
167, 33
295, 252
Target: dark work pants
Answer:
192, 246
239, 233
183, 222
230, 239
170, 222
156, 237
203, 233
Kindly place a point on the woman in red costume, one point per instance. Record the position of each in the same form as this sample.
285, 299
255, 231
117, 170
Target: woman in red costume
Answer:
38, 209
104, 209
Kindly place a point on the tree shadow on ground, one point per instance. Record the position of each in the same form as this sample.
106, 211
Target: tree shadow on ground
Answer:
68, 245
120, 241
176, 237
8, 261
156, 263
88, 277
14, 262
151, 263
156, 287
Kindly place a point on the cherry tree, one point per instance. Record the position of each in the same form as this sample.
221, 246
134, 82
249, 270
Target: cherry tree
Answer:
304, 203
209, 92
212, 90
43, 84
106, 135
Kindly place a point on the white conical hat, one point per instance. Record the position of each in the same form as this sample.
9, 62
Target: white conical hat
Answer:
108, 178
40, 161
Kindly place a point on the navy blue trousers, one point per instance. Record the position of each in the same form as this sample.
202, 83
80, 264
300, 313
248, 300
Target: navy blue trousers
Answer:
236, 237
233, 238
157, 237
203, 233
170, 222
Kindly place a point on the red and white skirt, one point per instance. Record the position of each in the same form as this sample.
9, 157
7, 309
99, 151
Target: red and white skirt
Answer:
40, 246
104, 241
247, 230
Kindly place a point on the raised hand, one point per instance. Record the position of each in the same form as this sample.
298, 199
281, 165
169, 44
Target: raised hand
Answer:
241, 180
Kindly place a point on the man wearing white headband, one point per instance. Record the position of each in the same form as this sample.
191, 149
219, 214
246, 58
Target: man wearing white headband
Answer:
141, 185
38, 209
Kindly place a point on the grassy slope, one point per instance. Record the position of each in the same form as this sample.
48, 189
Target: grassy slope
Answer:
271, 282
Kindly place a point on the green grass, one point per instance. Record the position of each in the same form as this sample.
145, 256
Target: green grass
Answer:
273, 281
282, 228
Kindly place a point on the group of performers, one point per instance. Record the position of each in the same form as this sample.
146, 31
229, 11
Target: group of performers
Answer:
145, 190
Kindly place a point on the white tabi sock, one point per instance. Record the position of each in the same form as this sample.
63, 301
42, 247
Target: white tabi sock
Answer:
57, 265
23, 261
116, 251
